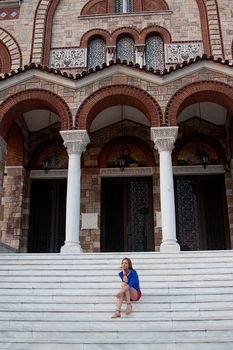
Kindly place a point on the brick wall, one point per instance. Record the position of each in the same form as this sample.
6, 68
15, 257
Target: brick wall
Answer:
15, 208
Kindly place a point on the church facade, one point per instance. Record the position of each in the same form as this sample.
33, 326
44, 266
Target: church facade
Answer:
116, 128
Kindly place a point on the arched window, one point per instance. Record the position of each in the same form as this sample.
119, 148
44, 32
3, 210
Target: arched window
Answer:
154, 52
123, 6
125, 49
96, 52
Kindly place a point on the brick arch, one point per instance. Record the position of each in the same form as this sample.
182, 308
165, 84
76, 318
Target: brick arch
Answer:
116, 95
104, 34
121, 140
210, 91
204, 26
10, 48
41, 44
154, 5
123, 31
5, 59
15, 148
98, 7
95, 7
27, 100
164, 33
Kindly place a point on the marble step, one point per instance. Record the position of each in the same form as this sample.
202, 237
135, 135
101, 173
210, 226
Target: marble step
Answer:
91, 313
124, 335
92, 277
56, 305
117, 344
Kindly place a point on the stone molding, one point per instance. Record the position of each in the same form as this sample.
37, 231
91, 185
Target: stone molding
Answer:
75, 140
198, 170
112, 172
10, 3
51, 174
164, 137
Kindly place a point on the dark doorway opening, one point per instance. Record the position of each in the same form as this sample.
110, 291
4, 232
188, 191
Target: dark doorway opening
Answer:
127, 214
47, 216
201, 212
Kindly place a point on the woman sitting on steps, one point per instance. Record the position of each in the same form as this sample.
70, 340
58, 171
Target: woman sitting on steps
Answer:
130, 288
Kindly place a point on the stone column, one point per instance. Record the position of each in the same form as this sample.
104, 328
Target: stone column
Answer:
75, 141
164, 139
2, 164
140, 55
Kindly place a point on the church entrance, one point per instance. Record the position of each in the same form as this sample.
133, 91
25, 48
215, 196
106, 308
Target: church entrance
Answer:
47, 216
127, 214
201, 213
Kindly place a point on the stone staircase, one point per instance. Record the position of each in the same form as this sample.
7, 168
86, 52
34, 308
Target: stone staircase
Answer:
65, 302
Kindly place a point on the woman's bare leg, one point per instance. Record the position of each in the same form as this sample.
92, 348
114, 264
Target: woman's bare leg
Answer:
119, 300
133, 293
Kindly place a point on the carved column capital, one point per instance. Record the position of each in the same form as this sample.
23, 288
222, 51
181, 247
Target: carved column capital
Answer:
75, 140
164, 137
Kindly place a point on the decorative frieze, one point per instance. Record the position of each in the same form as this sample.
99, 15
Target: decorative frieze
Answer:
9, 9
9, 13
179, 52
65, 58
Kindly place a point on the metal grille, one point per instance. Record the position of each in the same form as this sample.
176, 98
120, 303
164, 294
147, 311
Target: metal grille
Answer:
125, 49
187, 214
139, 215
154, 52
96, 53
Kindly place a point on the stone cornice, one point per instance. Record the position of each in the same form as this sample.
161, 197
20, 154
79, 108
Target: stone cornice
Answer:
10, 3
87, 77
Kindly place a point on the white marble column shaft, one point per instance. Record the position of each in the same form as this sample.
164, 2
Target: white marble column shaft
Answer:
75, 141
164, 139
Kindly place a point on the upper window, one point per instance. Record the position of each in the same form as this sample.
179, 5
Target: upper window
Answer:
96, 52
98, 7
123, 6
125, 49
154, 52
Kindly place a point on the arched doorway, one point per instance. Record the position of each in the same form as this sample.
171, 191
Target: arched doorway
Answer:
200, 170
47, 166
126, 162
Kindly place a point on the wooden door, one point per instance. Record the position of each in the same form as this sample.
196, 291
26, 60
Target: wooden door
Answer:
47, 216
127, 214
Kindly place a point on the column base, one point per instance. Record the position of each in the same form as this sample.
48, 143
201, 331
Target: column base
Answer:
169, 247
71, 248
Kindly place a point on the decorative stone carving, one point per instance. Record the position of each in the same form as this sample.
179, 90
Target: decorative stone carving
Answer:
164, 137
179, 52
75, 140
68, 58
